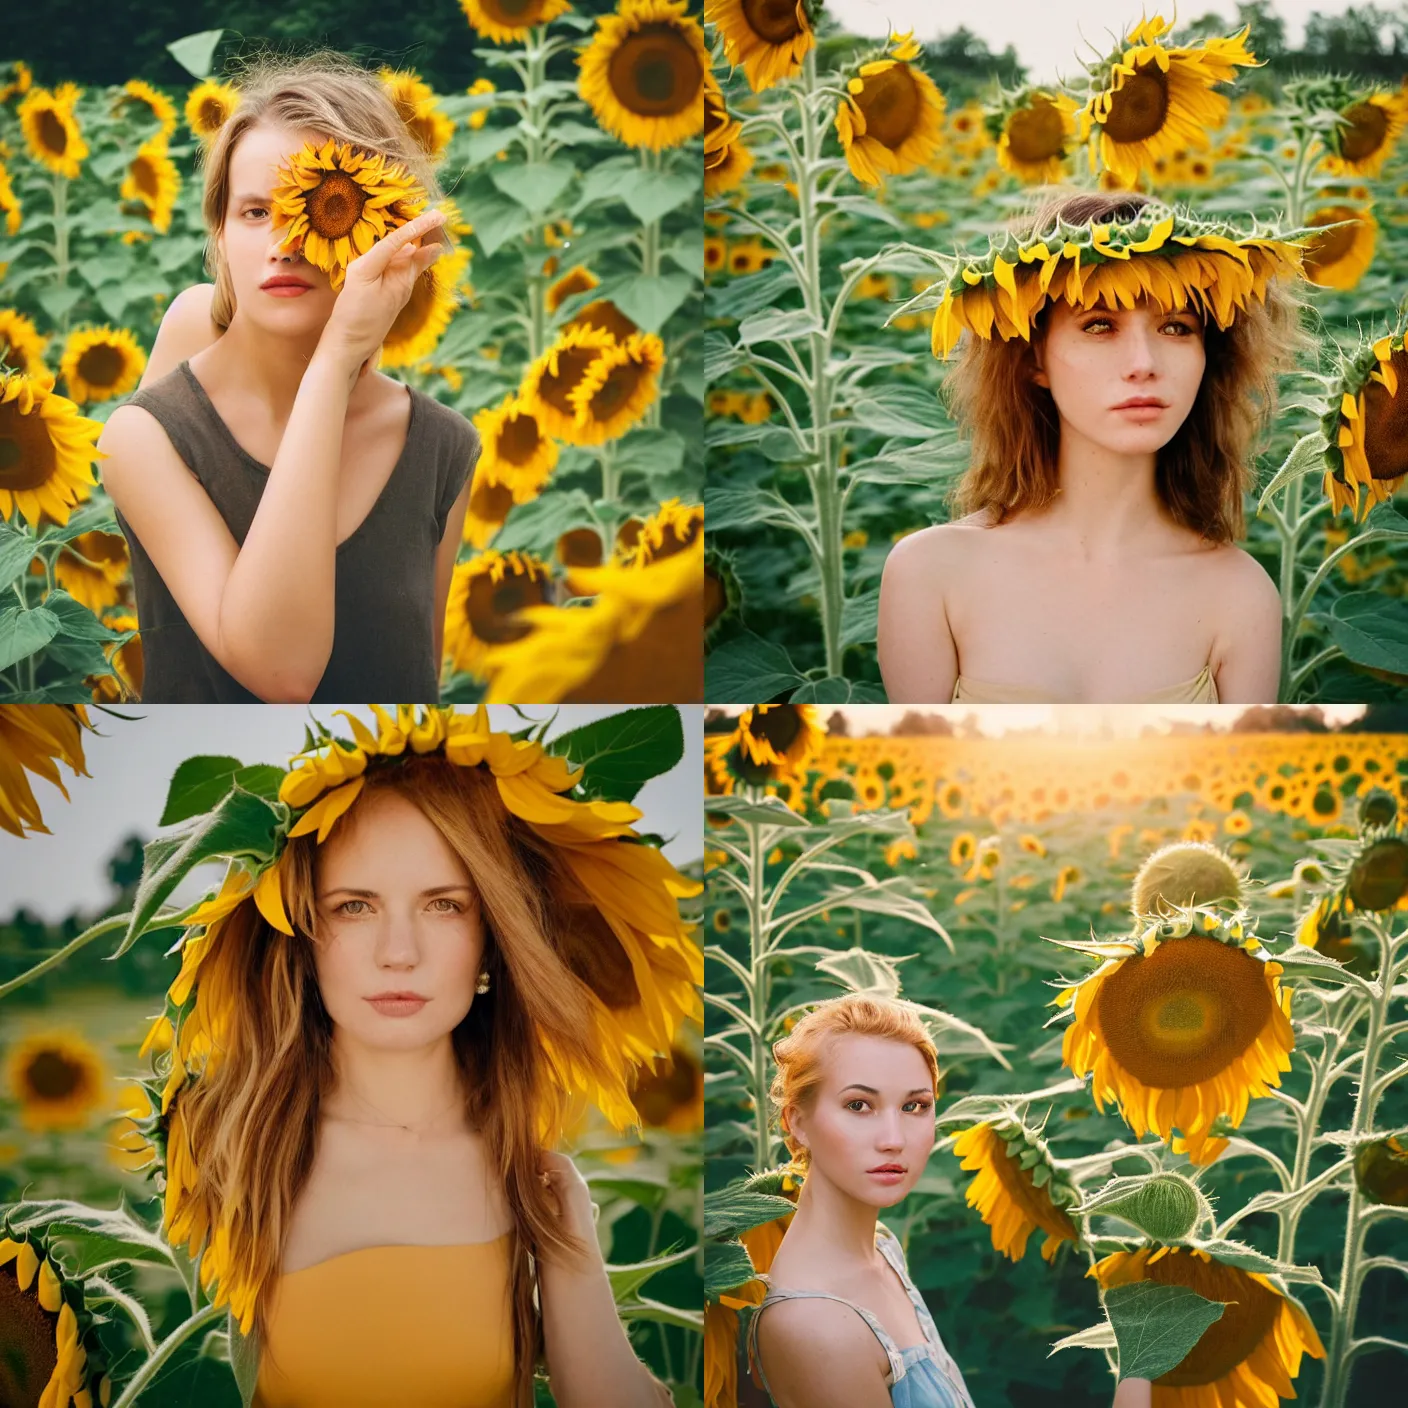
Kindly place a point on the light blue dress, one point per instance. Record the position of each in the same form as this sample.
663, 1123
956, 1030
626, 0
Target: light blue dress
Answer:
922, 1376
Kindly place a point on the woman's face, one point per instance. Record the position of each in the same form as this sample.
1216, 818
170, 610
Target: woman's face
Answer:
1124, 379
870, 1128
396, 915
251, 245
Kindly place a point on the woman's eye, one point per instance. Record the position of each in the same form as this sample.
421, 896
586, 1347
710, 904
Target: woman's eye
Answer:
455, 906
257, 210
918, 1107
342, 908
856, 1105
1097, 325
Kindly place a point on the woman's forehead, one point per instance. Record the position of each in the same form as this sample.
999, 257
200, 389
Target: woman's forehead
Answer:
259, 153
883, 1063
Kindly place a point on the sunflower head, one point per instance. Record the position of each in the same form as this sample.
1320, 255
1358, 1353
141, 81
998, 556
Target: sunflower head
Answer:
1339, 255
726, 159
337, 200
1018, 1189
1034, 129
1381, 1171
617, 389
419, 326
1359, 126
59, 1079
1185, 873
486, 595
47, 449
778, 738
510, 21
891, 120
209, 106
550, 383
151, 102
51, 129
767, 39
1365, 422
100, 364
21, 345
723, 595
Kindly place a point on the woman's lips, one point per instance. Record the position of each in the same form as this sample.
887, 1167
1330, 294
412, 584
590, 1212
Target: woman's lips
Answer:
286, 290
398, 1006
887, 1174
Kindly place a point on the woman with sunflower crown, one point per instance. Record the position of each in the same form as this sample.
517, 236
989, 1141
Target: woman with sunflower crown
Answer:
294, 515
375, 1042
1121, 356
855, 1091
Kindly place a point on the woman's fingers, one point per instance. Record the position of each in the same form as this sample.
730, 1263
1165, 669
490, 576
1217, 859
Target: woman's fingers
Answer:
375, 260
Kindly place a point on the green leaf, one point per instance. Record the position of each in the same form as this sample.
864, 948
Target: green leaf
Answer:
244, 1360
496, 221
837, 690
627, 1279
58, 301
1372, 630
16, 553
196, 52
1384, 518
777, 325
748, 670
1156, 1326
76, 621
622, 752
735, 1209
535, 185
650, 450
650, 302
859, 970
1246, 1258
98, 1236
742, 506
241, 824
860, 622
24, 632
726, 1268
656, 193
197, 785
766, 811
1306, 457
720, 356
901, 410
1101, 1336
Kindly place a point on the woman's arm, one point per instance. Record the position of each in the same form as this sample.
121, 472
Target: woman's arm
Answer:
918, 658
185, 330
1133, 1393
1248, 649
821, 1354
445, 556
590, 1361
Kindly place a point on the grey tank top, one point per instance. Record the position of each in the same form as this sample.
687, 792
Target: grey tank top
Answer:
383, 641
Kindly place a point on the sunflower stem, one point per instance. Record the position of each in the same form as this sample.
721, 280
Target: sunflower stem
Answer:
762, 1143
142, 1379
60, 193
103, 926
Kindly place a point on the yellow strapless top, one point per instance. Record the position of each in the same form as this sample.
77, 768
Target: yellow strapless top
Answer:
432, 1326
1201, 689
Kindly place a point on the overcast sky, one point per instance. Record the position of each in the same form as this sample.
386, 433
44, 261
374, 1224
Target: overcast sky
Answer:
132, 762
1047, 36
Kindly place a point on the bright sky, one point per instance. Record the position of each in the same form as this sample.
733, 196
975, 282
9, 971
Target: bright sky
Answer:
1047, 36
132, 763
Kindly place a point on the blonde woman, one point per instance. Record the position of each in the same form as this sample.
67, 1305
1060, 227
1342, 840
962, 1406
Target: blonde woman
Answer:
365, 1156
1113, 408
842, 1324
293, 515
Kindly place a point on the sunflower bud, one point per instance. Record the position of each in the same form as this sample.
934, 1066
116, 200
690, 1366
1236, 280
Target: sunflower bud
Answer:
1378, 879
1185, 873
1381, 1171
1377, 809
1164, 1206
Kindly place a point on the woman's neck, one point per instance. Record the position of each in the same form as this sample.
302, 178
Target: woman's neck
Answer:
827, 1216
419, 1091
1107, 505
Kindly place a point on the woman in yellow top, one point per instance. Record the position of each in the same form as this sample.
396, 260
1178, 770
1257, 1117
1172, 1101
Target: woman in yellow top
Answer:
1121, 358
373, 1050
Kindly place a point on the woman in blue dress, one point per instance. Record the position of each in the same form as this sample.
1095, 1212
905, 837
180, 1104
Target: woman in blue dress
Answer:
842, 1325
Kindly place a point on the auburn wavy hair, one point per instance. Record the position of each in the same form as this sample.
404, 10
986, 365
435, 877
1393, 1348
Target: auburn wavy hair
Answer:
799, 1054
326, 92
252, 1118
1201, 474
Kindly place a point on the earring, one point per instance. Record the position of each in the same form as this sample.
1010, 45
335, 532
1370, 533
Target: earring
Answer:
482, 986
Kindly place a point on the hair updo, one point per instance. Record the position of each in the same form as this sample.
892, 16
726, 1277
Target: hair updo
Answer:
799, 1054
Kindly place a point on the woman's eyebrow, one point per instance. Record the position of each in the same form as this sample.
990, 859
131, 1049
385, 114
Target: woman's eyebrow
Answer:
374, 895
262, 199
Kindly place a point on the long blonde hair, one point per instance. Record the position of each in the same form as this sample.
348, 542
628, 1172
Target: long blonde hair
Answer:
325, 92
252, 1118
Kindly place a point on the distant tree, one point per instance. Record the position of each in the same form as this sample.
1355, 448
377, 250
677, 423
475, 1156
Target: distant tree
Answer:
1280, 718
913, 724
1380, 718
963, 66
836, 725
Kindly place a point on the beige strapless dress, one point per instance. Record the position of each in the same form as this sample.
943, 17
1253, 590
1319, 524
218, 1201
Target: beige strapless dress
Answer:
1201, 689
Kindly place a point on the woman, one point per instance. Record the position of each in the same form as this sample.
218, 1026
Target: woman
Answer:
359, 1113
854, 1092
1122, 358
293, 515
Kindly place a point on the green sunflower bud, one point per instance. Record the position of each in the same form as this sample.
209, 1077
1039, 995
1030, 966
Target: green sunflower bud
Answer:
1164, 1206
1381, 1171
1185, 873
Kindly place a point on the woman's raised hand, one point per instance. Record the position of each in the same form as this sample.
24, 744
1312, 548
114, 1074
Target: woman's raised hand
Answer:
376, 288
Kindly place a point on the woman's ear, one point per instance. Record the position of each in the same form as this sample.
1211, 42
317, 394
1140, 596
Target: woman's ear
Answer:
792, 1122
1039, 377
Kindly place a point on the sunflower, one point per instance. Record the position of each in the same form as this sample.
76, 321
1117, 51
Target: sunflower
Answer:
1381, 1171
578, 279
768, 38
643, 73
53, 1355
579, 547
99, 364
1006, 1193
136, 92
337, 201
1036, 131
47, 449
1249, 1355
1365, 135
479, 116
36, 738
892, 119
778, 738
638, 641
1067, 876
508, 21
9, 203
21, 346
726, 159
1341, 256
1152, 99
671, 1096
209, 106
420, 325
416, 106
153, 179
549, 382
1184, 873
516, 461
617, 389
51, 130
18, 80
58, 1079
672, 528
1366, 423
605, 316
1181, 1029
486, 594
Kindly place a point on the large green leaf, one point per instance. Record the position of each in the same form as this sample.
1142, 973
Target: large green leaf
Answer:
1372, 629
749, 670
16, 553
199, 783
735, 1209
651, 301
835, 689
726, 1267
97, 1236
1155, 1325
244, 1360
908, 411
621, 753
196, 52
535, 185
657, 193
765, 811
24, 632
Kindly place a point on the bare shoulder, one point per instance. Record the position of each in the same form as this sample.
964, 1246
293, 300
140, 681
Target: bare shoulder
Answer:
186, 329
932, 554
820, 1352
1240, 582
135, 447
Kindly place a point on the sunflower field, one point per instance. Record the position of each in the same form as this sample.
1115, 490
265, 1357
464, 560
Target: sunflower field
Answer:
565, 324
98, 1293
841, 179
1187, 953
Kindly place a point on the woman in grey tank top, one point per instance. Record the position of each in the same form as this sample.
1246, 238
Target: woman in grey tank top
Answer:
854, 1093
293, 516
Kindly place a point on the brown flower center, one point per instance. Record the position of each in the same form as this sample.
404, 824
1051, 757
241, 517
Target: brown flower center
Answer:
102, 365
1386, 424
53, 135
580, 547
1364, 134
1035, 133
660, 663
489, 502
775, 21
52, 1076
28, 1352
492, 605
1334, 245
655, 72
891, 104
212, 113
616, 392
604, 315
144, 177
27, 456
1138, 109
659, 1094
1183, 1014
513, 11
779, 727
572, 364
335, 205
